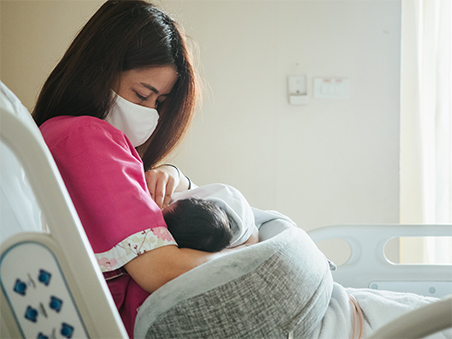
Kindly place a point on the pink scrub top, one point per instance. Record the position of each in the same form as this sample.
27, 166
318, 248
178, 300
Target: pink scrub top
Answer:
105, 179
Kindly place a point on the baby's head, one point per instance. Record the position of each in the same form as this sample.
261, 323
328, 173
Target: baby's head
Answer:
199, 224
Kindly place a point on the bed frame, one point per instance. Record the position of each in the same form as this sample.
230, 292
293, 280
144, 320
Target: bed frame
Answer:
51, 284
367, 244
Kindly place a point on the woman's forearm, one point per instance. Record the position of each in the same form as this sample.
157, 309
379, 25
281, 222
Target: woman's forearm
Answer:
155, 268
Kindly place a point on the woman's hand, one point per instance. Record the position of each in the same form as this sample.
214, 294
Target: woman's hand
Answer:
162, 182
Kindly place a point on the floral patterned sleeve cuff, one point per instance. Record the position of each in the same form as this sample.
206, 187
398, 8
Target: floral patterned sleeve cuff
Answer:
133, 246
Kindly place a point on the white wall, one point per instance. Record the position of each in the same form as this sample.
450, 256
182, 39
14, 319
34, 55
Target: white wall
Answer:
329, 162
33, 37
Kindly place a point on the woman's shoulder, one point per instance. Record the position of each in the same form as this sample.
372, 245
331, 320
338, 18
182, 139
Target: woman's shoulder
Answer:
63, 127
66, 123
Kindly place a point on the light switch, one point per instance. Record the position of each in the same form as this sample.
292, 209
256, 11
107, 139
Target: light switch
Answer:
297, 90
297, 85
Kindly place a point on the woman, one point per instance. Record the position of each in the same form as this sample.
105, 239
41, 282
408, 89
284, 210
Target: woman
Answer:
128, 68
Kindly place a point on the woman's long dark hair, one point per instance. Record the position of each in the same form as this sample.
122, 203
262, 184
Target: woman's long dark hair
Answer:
123, 35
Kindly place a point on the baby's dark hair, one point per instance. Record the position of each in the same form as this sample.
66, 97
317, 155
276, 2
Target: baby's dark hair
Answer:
198, 224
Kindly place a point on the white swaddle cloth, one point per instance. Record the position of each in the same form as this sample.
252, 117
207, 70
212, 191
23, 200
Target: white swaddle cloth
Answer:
232, 201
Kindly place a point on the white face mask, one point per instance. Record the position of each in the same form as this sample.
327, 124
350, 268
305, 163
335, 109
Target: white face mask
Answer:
135, 121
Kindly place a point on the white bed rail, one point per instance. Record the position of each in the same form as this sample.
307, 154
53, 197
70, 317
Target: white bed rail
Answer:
368, 267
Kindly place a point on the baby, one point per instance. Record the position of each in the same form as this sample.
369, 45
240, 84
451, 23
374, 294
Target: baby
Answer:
211, 218
199, 224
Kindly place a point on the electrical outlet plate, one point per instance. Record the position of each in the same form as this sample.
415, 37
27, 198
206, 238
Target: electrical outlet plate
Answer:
331, 88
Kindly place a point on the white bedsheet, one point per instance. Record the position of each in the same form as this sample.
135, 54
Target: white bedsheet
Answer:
379, 308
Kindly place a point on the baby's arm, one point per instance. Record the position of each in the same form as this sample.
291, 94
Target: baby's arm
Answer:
254, 238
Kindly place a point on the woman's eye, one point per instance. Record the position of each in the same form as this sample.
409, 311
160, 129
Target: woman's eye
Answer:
141, 97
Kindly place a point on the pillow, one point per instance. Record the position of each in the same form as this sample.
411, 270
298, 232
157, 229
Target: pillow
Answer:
264, 290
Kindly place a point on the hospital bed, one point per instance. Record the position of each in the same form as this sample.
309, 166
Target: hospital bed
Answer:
52, 287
